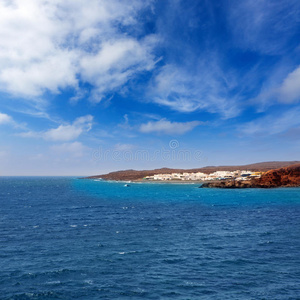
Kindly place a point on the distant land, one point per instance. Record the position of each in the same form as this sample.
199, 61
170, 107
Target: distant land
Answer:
140, 174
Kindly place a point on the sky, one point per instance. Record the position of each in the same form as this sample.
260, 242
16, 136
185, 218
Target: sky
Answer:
88, 87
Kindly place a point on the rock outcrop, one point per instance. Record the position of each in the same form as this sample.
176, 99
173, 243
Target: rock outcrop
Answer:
228, 184
289, 176
283, 177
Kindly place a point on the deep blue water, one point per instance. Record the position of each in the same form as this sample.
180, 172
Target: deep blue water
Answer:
64, 238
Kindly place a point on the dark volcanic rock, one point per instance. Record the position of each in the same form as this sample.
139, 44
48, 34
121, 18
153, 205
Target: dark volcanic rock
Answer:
228, 184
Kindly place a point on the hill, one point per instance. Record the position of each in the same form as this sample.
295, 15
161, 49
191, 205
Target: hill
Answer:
140, 174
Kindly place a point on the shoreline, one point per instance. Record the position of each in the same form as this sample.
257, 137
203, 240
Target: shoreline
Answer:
217, 184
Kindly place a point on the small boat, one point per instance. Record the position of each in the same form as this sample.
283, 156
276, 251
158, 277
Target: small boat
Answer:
126, 185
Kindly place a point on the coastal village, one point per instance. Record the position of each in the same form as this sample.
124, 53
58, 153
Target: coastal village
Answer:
259, 175
199, 176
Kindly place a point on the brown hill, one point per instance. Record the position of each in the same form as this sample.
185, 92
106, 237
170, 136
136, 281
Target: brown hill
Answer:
283, 177
289, 176
136, 174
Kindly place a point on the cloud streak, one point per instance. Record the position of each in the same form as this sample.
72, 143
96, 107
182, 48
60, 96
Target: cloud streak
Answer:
261, 23
187, 91
167, 127
272, 124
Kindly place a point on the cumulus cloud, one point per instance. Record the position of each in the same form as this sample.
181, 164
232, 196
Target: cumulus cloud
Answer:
64, 132
5, 119
51, 45
166, 127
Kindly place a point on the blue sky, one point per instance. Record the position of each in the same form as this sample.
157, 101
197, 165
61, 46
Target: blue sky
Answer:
91, 87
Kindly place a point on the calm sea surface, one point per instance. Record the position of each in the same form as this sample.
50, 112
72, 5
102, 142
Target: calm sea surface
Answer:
65, 238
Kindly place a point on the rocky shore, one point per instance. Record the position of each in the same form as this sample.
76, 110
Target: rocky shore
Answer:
283, 177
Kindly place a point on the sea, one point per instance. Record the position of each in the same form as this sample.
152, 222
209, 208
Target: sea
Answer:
68, 238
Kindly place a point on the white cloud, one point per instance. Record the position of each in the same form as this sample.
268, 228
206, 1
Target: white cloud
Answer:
166, 127
50, 45
70, 132
5, 119
115, 63
64, 132
53, 73
289, 91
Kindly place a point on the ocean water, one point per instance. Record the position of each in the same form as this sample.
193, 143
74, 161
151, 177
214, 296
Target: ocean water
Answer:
65, 238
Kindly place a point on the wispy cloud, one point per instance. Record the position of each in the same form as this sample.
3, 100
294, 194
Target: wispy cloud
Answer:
242, 45
63, 132
272, 124
282, 86
289, 92
167, 127
258, 24
186, 90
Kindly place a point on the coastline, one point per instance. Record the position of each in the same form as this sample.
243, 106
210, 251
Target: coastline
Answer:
204, 184
281, 177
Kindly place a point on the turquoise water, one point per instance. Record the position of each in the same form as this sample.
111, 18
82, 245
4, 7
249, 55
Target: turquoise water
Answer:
64, 238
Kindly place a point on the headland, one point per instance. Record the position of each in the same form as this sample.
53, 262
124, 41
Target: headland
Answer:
282, 177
